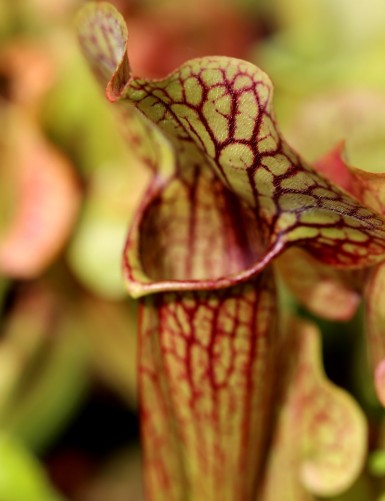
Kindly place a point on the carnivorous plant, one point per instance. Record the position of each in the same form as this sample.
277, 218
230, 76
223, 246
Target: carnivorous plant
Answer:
234, 403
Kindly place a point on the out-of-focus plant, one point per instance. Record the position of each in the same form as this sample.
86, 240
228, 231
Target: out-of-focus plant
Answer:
22, 477
355, 123
233, 406
343, 134
322, 45
52, 171
39, 194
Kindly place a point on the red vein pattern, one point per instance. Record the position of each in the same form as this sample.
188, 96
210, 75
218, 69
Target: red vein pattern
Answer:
205, 380
197, 229
217, 114
227, 196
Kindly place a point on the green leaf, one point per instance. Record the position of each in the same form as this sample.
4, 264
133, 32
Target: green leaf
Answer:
35, 353
376, 463
21, 476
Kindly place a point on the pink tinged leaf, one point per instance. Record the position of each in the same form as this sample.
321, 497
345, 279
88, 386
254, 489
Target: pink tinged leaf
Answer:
333, 167
374, 300
320, 443
216, 112
323, 290
45, 204
368, 187
206, 380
